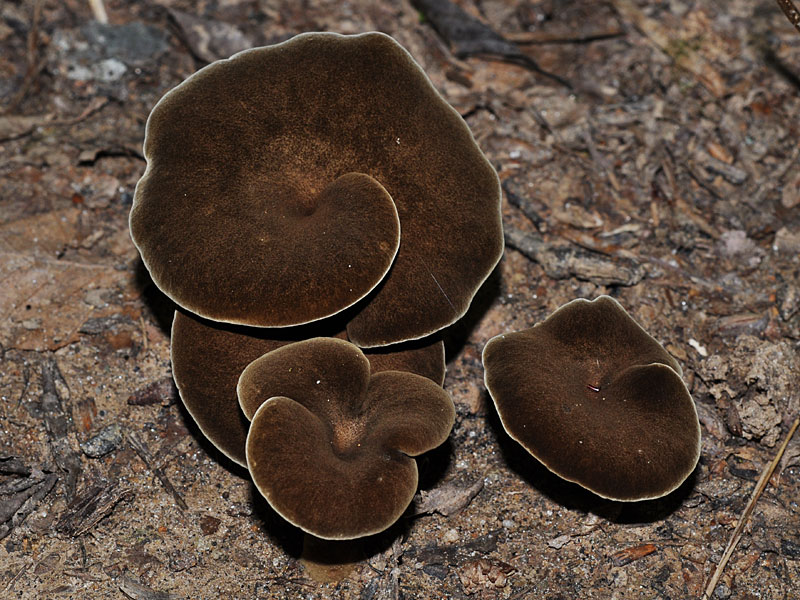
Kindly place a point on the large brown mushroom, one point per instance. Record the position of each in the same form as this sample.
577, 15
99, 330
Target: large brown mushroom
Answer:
208, 357
597, 400
276, 178
330, 445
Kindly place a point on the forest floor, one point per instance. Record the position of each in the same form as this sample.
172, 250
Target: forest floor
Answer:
668, 176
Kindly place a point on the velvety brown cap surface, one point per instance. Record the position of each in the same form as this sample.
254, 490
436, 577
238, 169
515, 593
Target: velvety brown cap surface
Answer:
272, 178
330, 446
597, 400
208, 357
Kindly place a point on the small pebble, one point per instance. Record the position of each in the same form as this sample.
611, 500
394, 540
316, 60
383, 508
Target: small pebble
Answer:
451, 536
104, 442
722, 591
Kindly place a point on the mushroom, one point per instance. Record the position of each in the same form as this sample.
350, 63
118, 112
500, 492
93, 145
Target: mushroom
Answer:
278, 182
597, 400
330, 445
208, 357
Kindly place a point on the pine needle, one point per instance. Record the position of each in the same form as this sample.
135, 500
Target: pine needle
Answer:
737, 533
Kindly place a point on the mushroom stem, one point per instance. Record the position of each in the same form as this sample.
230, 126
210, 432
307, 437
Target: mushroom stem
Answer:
330, 561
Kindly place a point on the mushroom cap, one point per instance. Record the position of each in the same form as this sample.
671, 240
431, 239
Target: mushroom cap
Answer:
208, 357
273, 179
597, 400
330, 445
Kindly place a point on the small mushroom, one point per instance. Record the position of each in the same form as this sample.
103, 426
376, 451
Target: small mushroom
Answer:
208, 357
597, 400
330, 445
278, 182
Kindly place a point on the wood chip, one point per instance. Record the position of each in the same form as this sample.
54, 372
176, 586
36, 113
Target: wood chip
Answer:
680, 51
11, 465
561, 262
730, 173
209, 525
90, 507
162, 391
628, 555
483, 573
31, 497
58, 422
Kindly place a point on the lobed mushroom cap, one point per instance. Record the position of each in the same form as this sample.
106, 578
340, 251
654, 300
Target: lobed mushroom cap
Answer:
597, 400
208, 357
276, 178
330, 445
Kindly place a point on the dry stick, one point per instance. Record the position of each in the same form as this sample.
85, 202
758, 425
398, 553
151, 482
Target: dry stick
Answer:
737, 533
35, 65
791, 12
546, 37
144, 333
14, 579
140, 449
99, 11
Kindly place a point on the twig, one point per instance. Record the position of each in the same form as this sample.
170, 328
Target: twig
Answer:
58, 424
144, 334
469, 36
698, 177
791, 12
769, 182
35, 65
548, 37
737, 533
140, 449
14, 579
599, 160
99, 11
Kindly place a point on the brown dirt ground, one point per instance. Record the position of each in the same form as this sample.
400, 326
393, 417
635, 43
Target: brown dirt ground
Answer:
669, 178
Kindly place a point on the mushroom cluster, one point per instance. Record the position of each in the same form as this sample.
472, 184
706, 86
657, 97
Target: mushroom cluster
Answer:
596, 400
317, 211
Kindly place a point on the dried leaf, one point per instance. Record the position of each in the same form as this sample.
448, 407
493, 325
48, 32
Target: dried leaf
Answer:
448, 499
135, 590
33, 287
